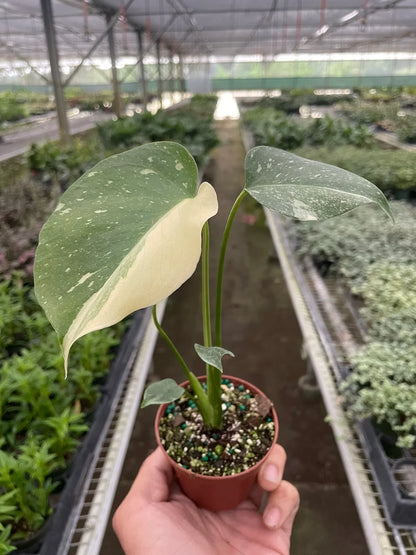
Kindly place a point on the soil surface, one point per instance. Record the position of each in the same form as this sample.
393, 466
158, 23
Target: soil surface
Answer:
260, 327
246, 435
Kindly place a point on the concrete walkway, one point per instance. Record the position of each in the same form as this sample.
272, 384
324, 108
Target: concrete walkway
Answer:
260, 327
45, 128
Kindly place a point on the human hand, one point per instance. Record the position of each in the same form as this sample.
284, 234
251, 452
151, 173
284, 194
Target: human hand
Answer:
156, 517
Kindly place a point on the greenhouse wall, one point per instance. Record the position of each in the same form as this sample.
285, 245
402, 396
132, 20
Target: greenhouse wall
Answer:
211, 76
270, 83
238, 84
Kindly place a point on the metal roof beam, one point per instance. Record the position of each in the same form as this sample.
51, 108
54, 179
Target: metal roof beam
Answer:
55, 73
187, 14
153, 43
350, 17
23, 59
259, 25
141, 65
110, 24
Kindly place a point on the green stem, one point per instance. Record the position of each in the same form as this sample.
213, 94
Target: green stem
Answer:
206, 311
202, 398
170, 343
220, 274
213, 374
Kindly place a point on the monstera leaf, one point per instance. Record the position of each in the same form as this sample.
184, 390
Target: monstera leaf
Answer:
124, 236
305, 189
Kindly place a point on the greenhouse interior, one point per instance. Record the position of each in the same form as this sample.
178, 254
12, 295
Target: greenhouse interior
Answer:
175, 175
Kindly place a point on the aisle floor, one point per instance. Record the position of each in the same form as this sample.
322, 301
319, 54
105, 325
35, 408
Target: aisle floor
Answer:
260, 327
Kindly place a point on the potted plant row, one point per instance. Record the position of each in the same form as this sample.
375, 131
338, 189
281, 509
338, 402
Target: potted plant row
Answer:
130, 232
378, 387
31, 374
43, 419
347, 145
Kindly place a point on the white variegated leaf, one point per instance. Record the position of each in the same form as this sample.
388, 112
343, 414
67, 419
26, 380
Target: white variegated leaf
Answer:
305, 189
123, 237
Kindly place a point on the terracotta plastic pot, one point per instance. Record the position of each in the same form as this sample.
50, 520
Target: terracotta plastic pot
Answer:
216, 493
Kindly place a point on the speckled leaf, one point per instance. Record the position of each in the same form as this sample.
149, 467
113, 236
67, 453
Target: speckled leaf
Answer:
305, 189
165, 391
124, 236
212, 355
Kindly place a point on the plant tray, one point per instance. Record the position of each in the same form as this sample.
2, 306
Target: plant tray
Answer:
59, 532
395, 477
394, 473
393, 469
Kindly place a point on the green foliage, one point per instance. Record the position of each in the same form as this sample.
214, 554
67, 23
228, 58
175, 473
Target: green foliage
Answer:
45, 158
333, 132
347, 247
42, 415
16, 105
389, 295
383, 94
33, 103
12, 171
100, 100
24, 480
273, 128
406, 129
5, 533
393, 171
164, 391
19, 227
291, 100
188, 126
389, 289
212, 355
200, 106
365, 112
377, 262
382, 387
10, 107
54, 163
63, 432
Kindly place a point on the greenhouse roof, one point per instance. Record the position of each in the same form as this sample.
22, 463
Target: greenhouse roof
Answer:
215, 28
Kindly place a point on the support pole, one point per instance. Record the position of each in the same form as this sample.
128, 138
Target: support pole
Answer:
182, 87
171, 76
50, 35
116, 84
159, 74
145, 98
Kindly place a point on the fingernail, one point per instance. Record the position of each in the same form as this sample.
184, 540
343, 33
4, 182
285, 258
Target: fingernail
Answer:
271, 517
271, 474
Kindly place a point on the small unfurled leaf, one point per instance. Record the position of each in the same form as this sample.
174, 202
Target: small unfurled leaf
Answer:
165, 391
305, 189
212, 355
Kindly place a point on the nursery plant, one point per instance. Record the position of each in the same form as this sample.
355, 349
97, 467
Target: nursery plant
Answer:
376, 262
131, 231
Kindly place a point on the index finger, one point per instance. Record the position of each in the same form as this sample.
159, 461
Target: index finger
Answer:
271, 472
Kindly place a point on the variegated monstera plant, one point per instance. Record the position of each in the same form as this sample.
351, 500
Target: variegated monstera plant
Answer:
130, 232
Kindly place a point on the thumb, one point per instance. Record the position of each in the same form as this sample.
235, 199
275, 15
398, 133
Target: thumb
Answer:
153, 481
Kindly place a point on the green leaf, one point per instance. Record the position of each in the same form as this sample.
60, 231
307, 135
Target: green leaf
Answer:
123, 237
165, 391
305, 189
212, 355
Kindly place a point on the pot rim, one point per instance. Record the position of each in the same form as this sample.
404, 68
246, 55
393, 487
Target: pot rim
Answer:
253, 388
